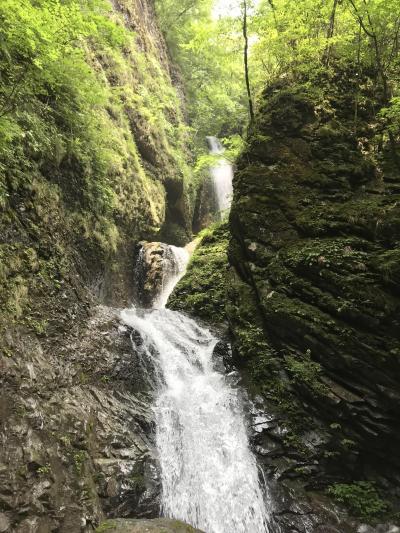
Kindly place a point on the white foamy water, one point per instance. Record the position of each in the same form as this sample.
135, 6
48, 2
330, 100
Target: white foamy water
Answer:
222, 176
209, 475
174, 266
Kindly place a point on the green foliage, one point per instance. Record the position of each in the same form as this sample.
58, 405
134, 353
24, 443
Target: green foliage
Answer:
79, 459
305, 39
45, 469
60, 113
91, 127
202, 291
304, 370
209, 53
308, 39
360, 497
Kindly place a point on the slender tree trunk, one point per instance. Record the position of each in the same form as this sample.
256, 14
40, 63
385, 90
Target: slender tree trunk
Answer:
330, 32
246, 62
359, 73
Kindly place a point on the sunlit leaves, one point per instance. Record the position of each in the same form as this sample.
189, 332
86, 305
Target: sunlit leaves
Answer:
209, 53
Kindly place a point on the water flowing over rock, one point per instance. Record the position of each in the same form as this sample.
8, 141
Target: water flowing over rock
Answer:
222, 176
209, 476
215, 195
158, 268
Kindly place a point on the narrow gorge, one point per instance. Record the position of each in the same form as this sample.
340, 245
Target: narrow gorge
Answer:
199, 266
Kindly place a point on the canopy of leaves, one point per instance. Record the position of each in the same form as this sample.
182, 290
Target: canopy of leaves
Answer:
209, 53
295, 38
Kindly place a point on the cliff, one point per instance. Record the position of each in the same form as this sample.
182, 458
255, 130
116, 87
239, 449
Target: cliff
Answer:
312, 301
93, 159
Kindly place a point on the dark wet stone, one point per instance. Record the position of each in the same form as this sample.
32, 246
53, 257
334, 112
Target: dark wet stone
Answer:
158, 525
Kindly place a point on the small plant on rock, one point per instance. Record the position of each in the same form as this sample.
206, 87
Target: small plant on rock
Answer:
361, 498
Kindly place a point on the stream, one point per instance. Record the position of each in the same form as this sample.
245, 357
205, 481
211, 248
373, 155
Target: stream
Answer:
210, 478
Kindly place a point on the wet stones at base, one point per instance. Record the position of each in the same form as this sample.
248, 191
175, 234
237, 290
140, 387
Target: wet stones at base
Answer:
157, 525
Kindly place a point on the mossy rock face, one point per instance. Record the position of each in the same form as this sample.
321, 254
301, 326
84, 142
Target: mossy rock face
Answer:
73, 203
156, 525
314, 303
79, 197
202, 291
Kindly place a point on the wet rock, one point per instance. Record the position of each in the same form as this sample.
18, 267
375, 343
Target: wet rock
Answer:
149, 270
206, 206
158, 525
5, 523
155, 262
77, 441
379, 528
222, 357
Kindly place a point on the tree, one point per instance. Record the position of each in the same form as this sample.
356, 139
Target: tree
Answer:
331, 30
384, 55
208, 52
246, 62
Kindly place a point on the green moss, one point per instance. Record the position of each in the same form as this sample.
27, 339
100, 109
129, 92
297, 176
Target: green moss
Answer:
87, 171
79, 459
202, 291
45, 469
304, 370
314, 305
361, 498
106, 526
139, 482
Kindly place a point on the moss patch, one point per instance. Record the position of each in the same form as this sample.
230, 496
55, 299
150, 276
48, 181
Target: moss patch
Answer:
361, 498
202, 291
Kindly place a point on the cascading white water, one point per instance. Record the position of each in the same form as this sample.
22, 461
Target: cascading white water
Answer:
209, 476
222, 176
174, 265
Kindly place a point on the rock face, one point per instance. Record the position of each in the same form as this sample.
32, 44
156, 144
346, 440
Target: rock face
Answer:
316, 229
313, 305
76, 430
157, 268
206, 205
76, 426
149, 262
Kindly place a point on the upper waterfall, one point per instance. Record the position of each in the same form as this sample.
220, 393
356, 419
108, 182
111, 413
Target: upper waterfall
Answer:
222, 176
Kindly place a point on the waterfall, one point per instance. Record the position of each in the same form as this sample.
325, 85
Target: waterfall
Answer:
158, 269
209, 475
174, 265
222, 176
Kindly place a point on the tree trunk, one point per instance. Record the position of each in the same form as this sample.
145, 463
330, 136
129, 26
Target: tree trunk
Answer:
370, 32
330, 32
246, 62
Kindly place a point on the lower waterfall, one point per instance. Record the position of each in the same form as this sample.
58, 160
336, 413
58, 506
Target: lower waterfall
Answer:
209, 476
